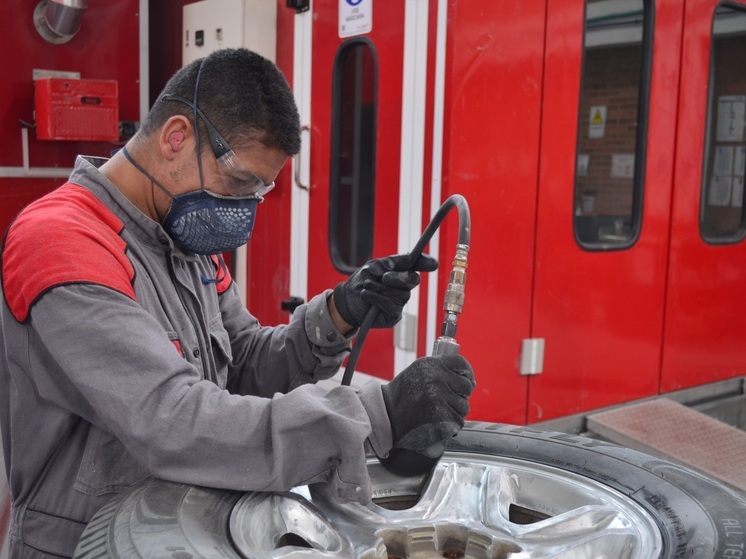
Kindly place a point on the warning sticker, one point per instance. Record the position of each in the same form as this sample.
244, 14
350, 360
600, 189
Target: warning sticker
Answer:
597, 125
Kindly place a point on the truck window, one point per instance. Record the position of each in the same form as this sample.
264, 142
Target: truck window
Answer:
722, 213
612, 123
353, 154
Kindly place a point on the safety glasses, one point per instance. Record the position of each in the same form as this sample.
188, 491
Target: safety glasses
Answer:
237, 179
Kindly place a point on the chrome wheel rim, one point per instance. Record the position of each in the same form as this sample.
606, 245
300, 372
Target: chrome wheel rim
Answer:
471, 506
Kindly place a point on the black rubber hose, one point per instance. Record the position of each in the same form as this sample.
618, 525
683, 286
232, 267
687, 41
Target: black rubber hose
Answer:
464, 236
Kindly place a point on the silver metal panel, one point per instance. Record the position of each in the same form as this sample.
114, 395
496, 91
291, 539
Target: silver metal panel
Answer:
532, 356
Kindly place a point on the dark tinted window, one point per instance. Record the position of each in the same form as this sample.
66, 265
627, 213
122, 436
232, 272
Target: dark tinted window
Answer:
722, 213
353, 155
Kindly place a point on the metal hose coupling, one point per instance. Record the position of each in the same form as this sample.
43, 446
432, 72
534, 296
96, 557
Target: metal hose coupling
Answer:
453, 303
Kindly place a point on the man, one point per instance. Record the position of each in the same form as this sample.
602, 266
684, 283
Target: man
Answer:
128, 353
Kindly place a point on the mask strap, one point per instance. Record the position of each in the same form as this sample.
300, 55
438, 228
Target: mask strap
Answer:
223, 270
196, 125
144, 172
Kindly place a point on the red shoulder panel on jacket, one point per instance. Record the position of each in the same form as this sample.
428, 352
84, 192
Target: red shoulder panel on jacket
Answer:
68, 236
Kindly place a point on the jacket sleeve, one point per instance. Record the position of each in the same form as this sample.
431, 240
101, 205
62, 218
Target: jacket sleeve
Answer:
267, 360
98, 354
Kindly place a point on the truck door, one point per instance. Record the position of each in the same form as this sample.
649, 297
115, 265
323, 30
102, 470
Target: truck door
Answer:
491, 132
356, 191
706, 305
604, 202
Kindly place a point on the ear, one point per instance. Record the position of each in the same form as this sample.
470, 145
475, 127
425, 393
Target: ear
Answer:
173, 135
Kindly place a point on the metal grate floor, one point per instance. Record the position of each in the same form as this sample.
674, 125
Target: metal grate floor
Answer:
666, 428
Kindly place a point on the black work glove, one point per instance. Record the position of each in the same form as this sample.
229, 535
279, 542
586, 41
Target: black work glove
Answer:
427, 401
383, 282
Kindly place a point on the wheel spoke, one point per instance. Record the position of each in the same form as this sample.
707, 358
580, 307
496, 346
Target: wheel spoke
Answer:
454, 492
285, 526
593, 531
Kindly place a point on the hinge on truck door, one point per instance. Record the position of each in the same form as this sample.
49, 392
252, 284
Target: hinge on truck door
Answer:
405, 333
299, 6
291, 304
532, 356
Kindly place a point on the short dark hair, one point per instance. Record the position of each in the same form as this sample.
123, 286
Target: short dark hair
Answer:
244, 95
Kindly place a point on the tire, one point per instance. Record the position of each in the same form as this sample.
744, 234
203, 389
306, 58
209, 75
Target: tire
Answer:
499, 491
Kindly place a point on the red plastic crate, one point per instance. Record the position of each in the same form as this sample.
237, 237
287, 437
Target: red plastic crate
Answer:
69, 109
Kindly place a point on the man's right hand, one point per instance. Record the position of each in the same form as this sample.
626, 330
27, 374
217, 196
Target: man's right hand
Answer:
428, 401
385, 283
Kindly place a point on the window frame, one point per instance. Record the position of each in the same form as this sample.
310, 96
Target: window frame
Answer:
335, 175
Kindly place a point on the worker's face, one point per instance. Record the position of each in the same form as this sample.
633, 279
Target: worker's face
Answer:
213, 207
216, 213
221, 169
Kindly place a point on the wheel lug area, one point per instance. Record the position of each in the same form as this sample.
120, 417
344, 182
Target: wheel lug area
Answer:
442, 541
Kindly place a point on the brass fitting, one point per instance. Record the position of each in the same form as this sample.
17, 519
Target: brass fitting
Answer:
454, 296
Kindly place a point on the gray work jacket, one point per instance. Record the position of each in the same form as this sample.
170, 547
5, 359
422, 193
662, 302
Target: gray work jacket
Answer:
119, 362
